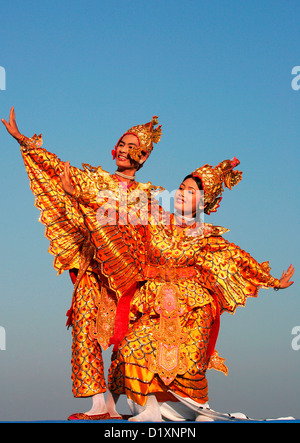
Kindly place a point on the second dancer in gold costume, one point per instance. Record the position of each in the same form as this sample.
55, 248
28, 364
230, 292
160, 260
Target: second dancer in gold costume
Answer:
186, 274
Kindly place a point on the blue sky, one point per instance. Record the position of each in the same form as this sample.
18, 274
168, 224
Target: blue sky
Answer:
218, 75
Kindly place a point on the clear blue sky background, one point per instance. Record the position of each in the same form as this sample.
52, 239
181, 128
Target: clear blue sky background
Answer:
218, 75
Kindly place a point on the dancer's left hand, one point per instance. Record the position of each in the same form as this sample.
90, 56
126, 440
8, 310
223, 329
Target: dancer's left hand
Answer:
286, 276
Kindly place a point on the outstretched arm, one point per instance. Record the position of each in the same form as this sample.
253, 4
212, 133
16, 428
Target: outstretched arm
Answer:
31, 147
36, 157
234, 275
44, 169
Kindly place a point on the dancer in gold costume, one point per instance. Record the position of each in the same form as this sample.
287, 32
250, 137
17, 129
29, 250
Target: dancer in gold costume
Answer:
186, 274
92, 314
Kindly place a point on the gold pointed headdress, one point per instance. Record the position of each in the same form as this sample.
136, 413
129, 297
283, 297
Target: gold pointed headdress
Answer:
213, 179
147, 135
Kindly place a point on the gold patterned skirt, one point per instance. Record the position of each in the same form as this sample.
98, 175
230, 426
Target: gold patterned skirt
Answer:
132, 372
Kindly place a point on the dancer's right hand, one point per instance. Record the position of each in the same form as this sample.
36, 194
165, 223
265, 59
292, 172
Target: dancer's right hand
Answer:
66, 180
11, 126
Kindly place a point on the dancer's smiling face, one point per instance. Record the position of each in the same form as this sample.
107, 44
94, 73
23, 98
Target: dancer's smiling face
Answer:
127, 142
123, 160
188, 198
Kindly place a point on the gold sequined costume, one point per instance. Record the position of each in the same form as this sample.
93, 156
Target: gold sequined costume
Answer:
189, 282
183, 281
92, 314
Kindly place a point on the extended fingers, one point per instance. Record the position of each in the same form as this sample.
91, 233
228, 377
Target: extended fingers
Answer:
67, 168
12, 116
4, 122
289, 272
11, 125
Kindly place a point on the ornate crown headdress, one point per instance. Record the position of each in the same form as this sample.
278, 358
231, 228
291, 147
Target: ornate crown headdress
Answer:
146, 135
213, 179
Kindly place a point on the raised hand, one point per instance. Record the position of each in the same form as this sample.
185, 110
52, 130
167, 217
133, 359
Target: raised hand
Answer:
11, 126
65, 179
286, 276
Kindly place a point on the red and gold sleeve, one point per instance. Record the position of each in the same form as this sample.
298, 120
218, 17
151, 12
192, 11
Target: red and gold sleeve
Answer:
119, 249
119, 245
43, 169
231, 273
